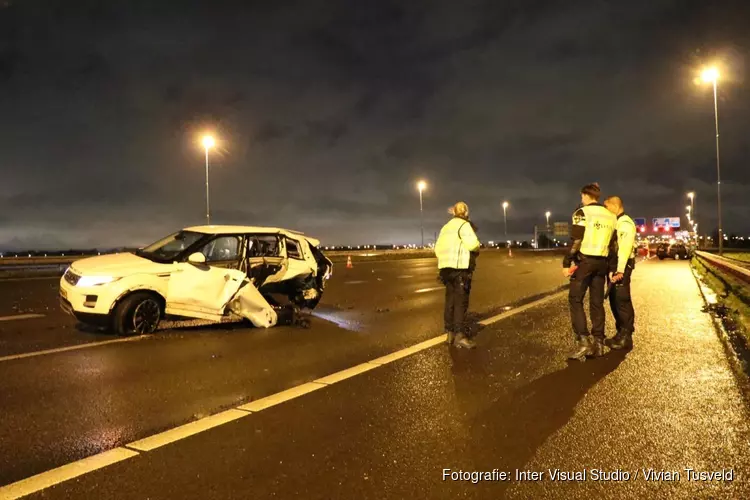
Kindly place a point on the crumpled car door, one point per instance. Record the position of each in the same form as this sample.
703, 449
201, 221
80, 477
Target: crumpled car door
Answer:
206, 292
196, 291
250, 304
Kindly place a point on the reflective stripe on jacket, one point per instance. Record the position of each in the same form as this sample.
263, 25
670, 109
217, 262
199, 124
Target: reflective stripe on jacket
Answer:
455, 243
597, 225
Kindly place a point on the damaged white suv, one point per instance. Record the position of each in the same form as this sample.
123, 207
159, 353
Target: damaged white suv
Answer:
218, 273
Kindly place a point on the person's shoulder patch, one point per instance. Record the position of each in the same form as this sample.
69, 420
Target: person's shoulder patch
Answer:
579, 217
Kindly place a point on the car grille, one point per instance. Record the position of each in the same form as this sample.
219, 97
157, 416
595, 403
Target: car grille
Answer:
71, 277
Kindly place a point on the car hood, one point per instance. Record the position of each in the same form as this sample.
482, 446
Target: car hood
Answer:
118, 265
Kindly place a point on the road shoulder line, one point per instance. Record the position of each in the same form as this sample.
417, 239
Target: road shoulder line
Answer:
66, 472
186, 430
281, 397
520, 309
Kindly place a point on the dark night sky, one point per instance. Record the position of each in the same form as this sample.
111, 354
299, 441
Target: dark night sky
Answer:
330, 111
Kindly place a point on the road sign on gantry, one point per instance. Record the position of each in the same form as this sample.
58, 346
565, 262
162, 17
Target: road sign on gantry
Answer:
561, 229
666, 223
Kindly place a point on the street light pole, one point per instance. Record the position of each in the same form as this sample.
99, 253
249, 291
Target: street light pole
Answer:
547, 214
208, 143
718, 168
208, 206
421, 185
711, 75
505, 217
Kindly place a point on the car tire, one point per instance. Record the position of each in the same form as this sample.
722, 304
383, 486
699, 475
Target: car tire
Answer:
138, 314
661, 257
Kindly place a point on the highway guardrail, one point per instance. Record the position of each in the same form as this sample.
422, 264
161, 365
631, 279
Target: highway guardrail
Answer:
728, 265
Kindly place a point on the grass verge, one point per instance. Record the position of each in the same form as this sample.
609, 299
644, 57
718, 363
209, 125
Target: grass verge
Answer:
743, 256
732, 308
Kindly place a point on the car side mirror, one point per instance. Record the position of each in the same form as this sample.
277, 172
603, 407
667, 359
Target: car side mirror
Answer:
197, 258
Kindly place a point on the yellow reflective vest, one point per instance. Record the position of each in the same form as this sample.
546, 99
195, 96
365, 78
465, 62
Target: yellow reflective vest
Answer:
626, 232
594, 225
454, 245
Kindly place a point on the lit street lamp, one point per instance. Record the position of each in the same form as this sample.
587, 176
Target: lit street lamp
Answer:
711, 75
547, 214
691, 195
208, 143
505, 216
421, 185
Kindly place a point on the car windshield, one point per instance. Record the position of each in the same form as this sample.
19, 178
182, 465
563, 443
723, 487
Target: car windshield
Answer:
169, 248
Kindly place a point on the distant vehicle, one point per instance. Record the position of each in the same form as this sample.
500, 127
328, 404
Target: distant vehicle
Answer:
675, 251
207, 272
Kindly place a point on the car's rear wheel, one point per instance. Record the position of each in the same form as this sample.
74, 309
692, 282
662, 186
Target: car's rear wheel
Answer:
138, 314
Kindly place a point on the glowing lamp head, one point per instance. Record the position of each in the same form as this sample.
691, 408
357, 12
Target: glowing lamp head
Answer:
421, 185
506, 204
710, 75
691, 195
547, 214
208, 142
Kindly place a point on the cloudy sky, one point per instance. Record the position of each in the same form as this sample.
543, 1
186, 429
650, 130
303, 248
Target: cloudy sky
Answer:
328, 112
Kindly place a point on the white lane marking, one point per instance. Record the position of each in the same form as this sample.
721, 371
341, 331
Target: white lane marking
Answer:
510, 264
21, 316
50, 478
187, 430
405, 276
345, 374
431, 289
440, 339
523, 308
35, 278
281, 397
353, 282
69, 348
69, 471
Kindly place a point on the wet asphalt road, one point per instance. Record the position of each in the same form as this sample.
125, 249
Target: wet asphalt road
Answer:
65, 406
513, 403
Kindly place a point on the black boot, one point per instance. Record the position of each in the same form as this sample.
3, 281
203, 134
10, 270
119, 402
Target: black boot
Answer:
623, 340
451, 337
598, 348
582, 349
465, 342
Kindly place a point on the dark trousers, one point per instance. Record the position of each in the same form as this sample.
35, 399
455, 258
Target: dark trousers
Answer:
457, 287
591, 275
619, 301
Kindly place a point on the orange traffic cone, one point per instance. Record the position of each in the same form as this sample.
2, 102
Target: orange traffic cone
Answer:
349, 262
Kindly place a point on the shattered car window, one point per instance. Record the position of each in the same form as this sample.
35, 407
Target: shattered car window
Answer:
263, 246
222, 249
292, 249
170, 247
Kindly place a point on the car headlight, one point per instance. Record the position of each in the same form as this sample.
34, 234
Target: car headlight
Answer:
87, 281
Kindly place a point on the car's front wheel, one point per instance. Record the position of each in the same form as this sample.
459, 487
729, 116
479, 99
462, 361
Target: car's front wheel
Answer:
138, 314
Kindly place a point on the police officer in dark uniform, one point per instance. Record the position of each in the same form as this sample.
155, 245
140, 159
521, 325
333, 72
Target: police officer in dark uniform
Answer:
622, 264
587, 265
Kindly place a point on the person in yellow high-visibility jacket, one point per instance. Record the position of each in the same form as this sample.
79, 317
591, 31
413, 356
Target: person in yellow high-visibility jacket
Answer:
586, 264
622, 264
453, 248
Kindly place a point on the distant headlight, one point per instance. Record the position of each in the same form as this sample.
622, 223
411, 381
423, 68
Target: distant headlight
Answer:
87, 281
